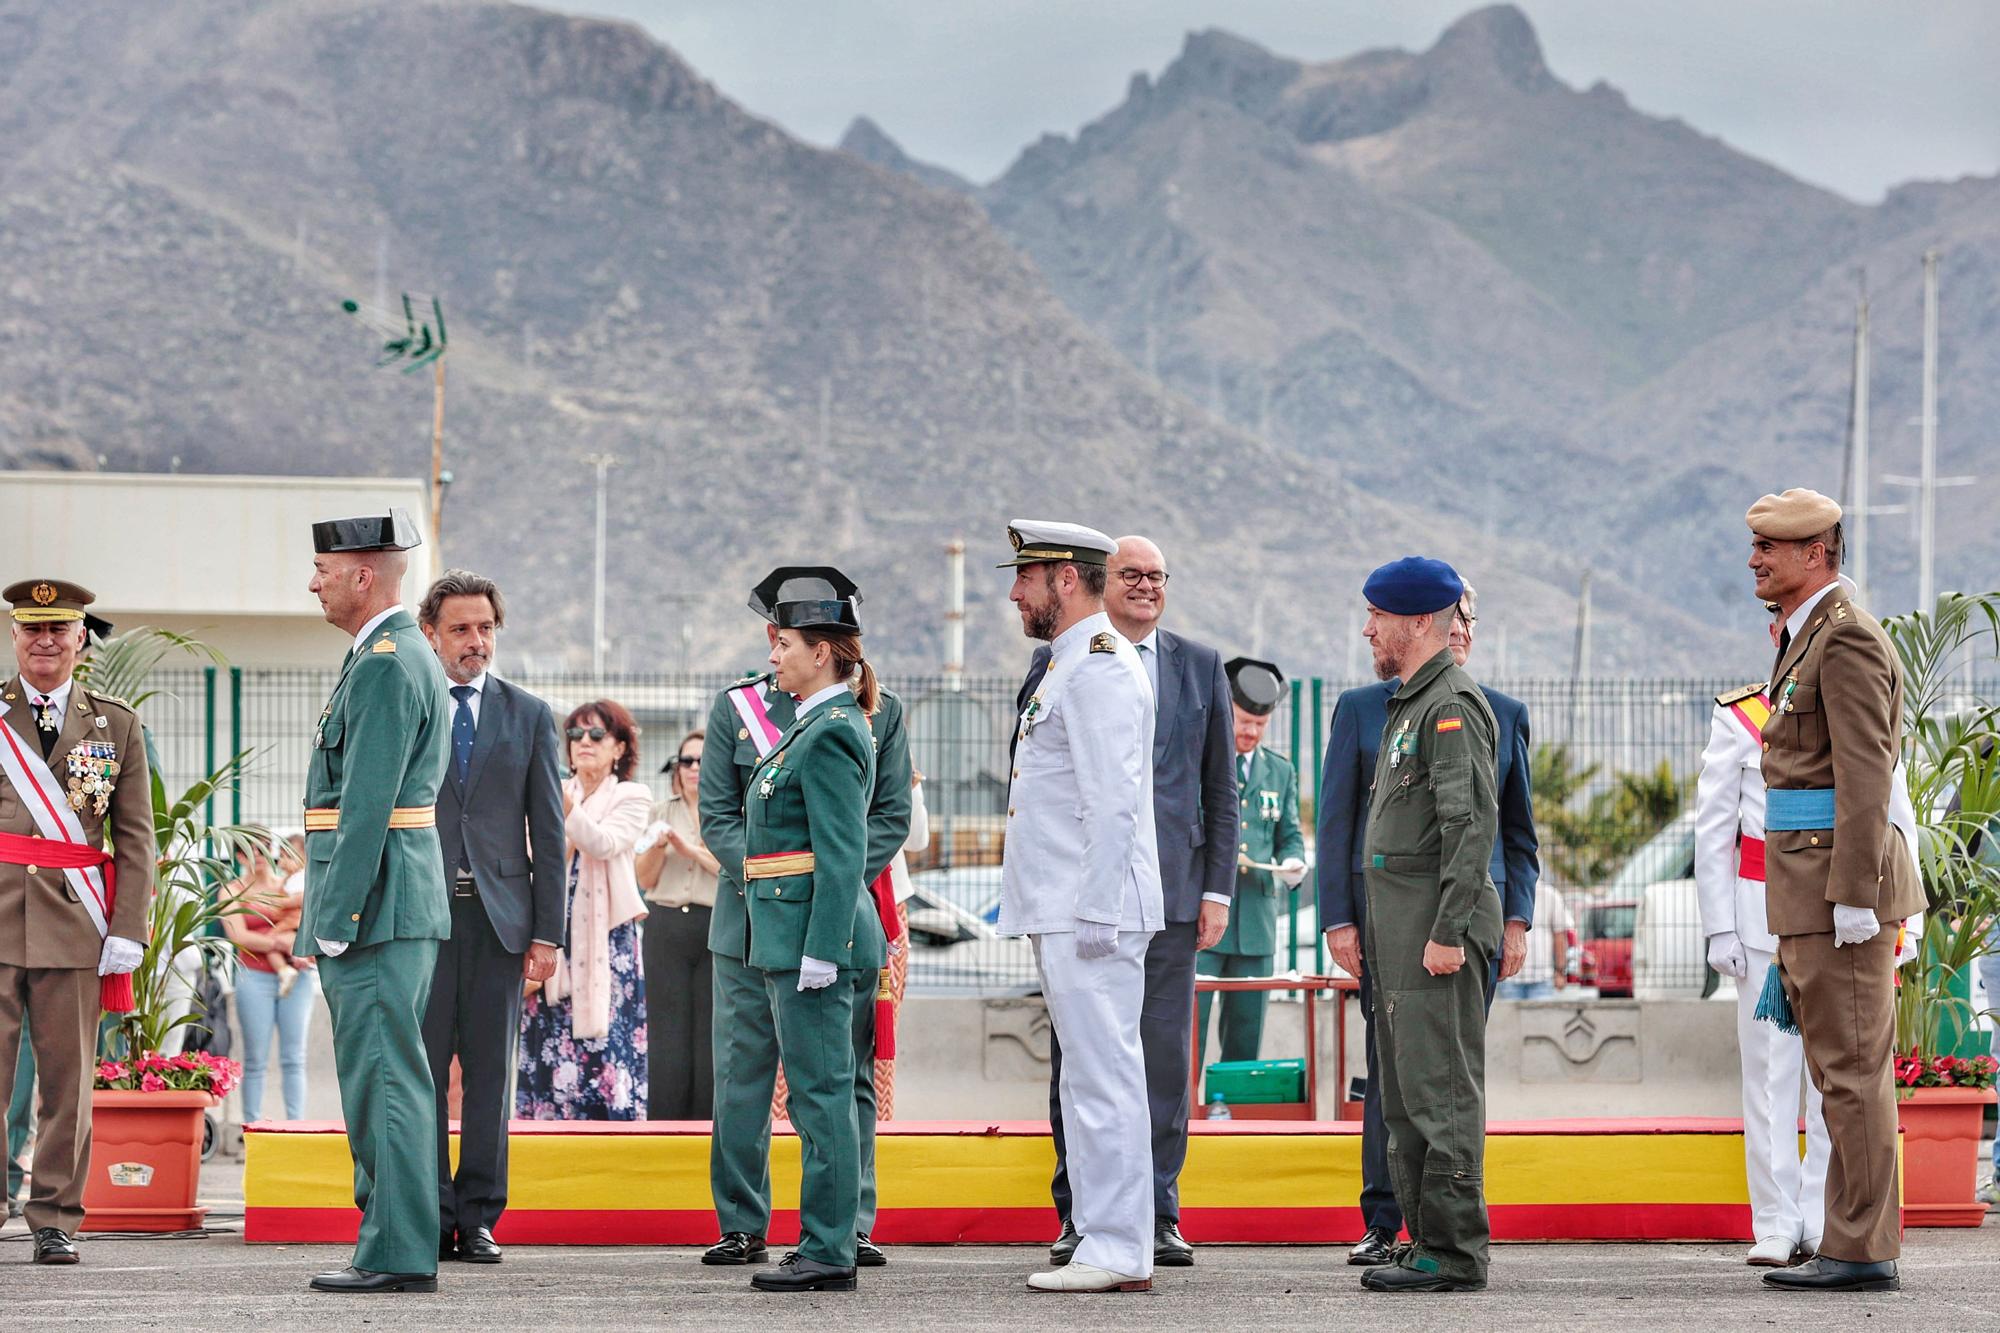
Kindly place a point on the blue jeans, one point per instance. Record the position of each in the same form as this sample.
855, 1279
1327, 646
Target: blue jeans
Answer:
1526, 990
259, 1009
1989, 976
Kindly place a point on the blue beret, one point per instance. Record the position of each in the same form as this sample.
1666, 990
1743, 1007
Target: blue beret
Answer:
1413, 586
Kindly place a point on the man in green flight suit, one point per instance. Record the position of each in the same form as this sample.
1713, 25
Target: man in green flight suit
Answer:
1433, 926
376, 904
1270, 860
755, 712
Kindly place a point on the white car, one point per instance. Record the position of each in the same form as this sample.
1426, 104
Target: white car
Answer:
1669, 951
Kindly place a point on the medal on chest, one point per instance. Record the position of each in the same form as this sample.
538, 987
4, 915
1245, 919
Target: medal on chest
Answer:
93, 770
47, 718
1402, 743
319, 733
765, 787
1267, 804
1785, 697
1031, 714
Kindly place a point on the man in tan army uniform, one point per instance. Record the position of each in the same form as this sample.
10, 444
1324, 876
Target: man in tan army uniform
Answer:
1836, 872
72, 770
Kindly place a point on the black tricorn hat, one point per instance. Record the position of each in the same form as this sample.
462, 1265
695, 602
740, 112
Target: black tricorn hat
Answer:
96, 629
1256, 686
808, 596
394, 531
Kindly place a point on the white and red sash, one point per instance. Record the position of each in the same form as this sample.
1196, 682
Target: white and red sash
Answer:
748, 701
31, 776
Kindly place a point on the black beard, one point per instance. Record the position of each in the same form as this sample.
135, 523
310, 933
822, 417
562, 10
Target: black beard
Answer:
1041, 621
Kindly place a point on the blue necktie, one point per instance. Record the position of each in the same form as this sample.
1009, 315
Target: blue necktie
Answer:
461, 731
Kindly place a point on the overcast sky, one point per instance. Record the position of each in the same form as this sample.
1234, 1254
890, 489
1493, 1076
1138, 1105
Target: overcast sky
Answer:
1857, 95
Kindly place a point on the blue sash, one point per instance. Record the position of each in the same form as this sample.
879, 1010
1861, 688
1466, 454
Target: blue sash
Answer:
1811, 808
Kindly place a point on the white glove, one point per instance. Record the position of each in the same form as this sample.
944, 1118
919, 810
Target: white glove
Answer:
1913, 939
815, 975
120, 955
333, 948
1854, 925
1725, 954
1291, 872
1094, 939
896, 948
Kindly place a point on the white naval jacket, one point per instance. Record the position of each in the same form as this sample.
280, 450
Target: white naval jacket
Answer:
1729, 801
1080, 839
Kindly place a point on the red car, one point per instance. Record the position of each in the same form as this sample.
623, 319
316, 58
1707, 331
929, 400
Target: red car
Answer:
1608, 927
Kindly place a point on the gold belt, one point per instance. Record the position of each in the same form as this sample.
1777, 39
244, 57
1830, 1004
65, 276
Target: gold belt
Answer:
324, 819
773, 865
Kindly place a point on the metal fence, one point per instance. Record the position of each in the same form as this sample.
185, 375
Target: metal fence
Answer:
1613, 854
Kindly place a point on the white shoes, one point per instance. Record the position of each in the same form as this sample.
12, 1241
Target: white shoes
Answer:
1077, 1278
1771, 1252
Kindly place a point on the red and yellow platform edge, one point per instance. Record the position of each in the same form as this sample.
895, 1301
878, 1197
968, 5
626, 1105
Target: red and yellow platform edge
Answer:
945, 1182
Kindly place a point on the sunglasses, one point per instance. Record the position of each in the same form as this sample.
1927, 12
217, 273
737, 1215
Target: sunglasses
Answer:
689, 761
595, 733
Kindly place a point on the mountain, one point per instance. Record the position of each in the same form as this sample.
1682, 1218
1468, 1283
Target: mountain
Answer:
793, 355
868, 141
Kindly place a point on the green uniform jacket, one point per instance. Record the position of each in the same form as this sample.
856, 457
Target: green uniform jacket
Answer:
1435, 811
382, 743
724, 786
810, 794
1269, 806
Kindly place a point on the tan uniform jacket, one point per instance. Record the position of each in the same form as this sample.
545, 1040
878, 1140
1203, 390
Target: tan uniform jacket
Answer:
42, 921
1837, 693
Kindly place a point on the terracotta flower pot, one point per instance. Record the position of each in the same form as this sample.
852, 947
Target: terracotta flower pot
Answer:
145, 1161
1941, 1156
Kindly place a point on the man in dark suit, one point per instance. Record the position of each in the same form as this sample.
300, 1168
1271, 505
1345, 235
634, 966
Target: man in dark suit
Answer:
500, 822
1195, 822
1355, 735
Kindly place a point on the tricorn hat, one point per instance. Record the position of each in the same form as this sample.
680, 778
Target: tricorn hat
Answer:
808, 596
1257, 687
394, 531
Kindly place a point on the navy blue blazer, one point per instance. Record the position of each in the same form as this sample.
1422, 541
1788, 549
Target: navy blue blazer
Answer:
1195, 815
1359, 717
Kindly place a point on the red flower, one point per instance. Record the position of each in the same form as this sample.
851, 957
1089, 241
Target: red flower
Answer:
152, 1083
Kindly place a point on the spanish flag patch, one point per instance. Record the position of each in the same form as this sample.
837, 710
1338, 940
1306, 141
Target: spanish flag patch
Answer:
1450, 724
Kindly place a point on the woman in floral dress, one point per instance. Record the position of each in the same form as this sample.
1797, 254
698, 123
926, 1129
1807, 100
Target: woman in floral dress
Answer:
583, 1033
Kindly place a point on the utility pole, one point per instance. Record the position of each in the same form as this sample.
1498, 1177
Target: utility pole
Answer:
603, 463
1927, 468
1860, 444
954, 615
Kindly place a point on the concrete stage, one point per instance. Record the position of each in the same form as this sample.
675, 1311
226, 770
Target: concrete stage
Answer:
970, 1182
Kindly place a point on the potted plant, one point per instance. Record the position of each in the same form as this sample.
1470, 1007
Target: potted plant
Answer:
148, 1108
1951, 751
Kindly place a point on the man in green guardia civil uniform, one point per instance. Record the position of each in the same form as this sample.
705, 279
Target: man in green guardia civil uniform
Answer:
1270, 861
376, 904
1433, 925
755, 713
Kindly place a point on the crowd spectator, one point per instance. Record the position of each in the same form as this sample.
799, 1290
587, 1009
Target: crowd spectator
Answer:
274, 990
677, 873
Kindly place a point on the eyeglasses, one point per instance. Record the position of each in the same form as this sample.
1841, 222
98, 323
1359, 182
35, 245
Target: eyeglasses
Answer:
1467, 621
1152, 578
595, 733
689, 761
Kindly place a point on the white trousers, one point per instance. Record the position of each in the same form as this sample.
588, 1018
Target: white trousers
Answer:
1095, 1006
1787, 1197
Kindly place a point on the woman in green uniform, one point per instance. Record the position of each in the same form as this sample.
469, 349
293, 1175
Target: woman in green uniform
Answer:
810, 922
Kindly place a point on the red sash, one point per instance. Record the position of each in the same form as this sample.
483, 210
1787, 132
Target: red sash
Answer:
1750, 858
884, 889
114, 993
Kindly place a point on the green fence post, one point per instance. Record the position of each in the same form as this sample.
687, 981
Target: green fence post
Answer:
1292, 917
236, 742
1317, 756
208, 732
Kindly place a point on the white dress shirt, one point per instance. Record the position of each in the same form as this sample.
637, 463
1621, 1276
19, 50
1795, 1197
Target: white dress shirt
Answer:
1796, 621
59, 696
478, 684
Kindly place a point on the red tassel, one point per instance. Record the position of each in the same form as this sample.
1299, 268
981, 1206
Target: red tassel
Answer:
885, 1020
114, 993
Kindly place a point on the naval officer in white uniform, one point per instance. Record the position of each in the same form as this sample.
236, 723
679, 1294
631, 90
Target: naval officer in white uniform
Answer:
1787, 1197
1081, 879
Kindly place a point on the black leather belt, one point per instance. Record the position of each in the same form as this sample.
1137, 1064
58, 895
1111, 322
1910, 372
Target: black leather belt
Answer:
464, 887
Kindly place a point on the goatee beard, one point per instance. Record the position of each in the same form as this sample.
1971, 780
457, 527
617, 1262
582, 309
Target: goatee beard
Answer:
1041, 622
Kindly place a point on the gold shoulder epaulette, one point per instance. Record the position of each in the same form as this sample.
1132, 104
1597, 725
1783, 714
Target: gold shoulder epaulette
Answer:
1729, 697
384, 646
836, 713
1103, 643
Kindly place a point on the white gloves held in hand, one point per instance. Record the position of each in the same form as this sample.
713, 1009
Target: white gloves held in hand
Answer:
815, 975
120, 955
1291, 872
1725, 954
1094, 939
1913, 939
333, 948
1854, 925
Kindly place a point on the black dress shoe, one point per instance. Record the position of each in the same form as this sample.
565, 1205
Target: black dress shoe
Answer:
867, 1254
1170, 1249
349, 1280
447, 1246
1377, 1246
477, 1246
798, 1273
1824, 1274
53, 1246
1415, 1279
1065, 1245
736, 1247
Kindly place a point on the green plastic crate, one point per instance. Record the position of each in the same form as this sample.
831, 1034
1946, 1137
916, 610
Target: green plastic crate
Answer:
1254, 1082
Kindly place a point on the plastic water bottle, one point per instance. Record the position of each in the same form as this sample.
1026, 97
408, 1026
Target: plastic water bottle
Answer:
1219, 1108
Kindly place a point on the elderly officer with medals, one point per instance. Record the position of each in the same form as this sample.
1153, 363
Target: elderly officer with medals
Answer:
1433, 925
76, 876
376, 904
757, 713
1836, 872
812, 930
1081, 879
1270, 860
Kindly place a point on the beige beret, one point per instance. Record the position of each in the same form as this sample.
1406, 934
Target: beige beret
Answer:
1793, 516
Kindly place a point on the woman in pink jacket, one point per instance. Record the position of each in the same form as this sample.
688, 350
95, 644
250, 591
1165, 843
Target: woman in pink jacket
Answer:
583, 1034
